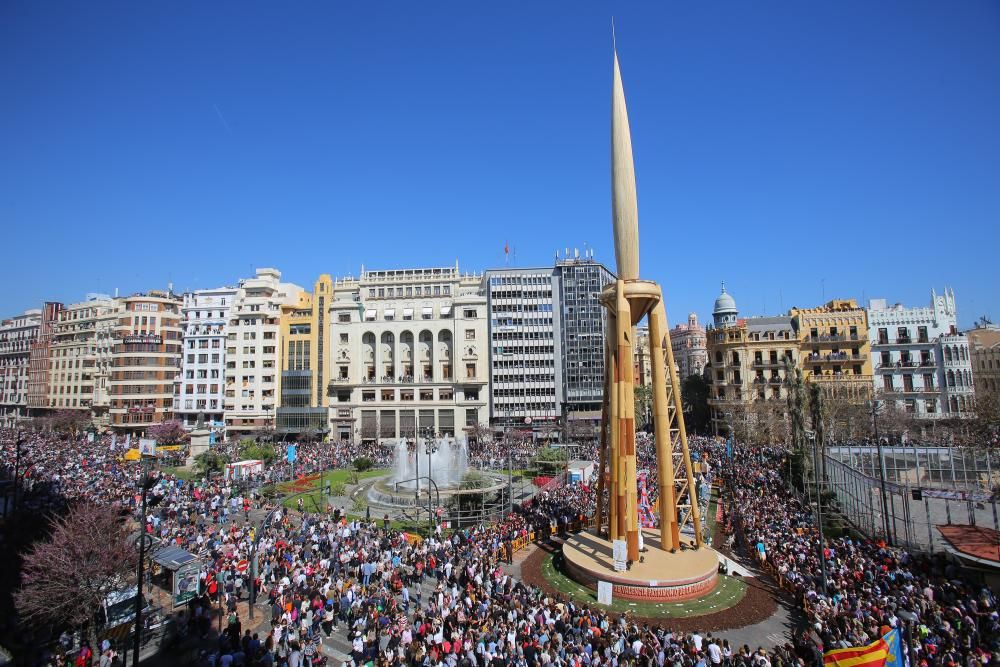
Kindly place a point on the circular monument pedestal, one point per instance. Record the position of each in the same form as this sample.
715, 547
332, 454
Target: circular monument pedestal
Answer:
661, 577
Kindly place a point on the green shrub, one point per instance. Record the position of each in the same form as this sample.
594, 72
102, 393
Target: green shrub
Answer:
338, 489
362, 463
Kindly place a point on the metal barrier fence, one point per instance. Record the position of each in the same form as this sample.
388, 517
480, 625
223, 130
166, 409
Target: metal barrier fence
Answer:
924, 487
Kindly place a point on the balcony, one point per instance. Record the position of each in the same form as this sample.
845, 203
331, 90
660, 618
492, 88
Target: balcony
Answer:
895, 366
831, 338
832, 357
912, 391
471, 379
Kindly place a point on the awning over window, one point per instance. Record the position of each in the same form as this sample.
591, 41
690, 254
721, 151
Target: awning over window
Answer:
445, 311
407, 312
389, 312
428, 311
370, 314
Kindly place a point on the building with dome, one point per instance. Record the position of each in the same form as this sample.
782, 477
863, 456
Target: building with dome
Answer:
725, 313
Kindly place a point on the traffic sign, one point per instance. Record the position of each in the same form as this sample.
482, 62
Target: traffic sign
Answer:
243, 565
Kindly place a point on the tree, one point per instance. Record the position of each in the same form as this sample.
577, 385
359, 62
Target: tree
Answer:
695, 391
260, 452
208, 462
643, 406
985, 424
550, 459
308, 434
66, 579
69, 421
167, 433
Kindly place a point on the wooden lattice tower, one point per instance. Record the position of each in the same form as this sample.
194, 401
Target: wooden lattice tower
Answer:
628, 300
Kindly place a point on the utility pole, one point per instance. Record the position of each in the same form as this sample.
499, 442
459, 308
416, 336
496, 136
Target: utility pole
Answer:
146, 482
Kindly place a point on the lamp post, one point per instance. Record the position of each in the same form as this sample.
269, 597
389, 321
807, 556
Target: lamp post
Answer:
253, 559
876, 408
17, 473
146, 482
819, 508
430, 447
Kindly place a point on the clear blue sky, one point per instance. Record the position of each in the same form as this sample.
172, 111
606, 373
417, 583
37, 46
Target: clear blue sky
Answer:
788, 148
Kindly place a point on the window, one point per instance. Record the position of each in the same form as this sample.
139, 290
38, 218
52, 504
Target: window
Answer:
470, 334
469, 313
343, 317
344, 338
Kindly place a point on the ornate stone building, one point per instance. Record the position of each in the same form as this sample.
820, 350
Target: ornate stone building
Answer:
689, 347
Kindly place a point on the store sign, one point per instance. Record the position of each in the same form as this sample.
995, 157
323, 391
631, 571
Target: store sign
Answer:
145, 339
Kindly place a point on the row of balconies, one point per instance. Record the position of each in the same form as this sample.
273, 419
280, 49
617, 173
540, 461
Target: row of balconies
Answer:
903, 365
903, 340
832, 357
831, 338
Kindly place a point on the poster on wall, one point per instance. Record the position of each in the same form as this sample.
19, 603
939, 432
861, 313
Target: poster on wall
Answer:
186, 583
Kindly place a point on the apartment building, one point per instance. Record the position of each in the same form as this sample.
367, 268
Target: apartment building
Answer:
200, 390
39, 360
305, 361
747, 364
17, 334
984, 353
253, 364
146, 360
690, 348
835, 350
409, 351
922, 362
80, 360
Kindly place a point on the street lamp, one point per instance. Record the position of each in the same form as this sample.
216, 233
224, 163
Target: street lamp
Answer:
146, 482
819, 507
876, 407
430, 447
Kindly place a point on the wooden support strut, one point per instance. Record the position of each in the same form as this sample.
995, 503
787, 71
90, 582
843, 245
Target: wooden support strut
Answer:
628, 521
682, 437
669, 528
613, 479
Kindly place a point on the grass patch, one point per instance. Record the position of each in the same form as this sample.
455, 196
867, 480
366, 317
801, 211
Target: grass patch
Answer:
727, 593
181, 473
313, 500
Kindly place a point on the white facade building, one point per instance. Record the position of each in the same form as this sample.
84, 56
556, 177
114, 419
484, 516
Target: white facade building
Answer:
200, 391
921, 361
253, 368
17, 335
81, 356
409, 352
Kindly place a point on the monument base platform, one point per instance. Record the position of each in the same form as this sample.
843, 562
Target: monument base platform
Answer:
660, 577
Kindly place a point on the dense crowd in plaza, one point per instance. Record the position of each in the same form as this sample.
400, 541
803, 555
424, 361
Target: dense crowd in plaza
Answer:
447, 600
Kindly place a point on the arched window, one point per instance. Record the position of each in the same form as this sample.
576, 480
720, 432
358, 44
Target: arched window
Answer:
947, 354
953, 404
951, 378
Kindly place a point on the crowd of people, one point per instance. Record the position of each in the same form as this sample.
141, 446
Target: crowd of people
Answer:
870, 588
447, 599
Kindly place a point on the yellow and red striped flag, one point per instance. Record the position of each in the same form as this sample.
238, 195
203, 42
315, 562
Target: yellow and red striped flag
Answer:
873, 655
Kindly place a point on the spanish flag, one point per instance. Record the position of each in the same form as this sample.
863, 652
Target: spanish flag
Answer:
873, 655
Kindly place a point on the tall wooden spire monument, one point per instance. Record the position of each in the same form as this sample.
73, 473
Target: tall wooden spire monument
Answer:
676, 565
628, 300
